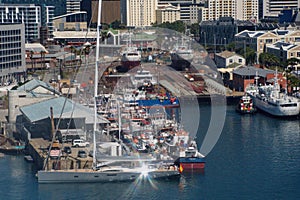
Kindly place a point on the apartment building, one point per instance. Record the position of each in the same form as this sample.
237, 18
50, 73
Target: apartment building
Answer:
140, 13
12, 53
237, 9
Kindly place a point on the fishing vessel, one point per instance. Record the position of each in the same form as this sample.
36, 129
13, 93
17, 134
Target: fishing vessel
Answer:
191, 159
130, 57
104, 170
269, 99
245, 105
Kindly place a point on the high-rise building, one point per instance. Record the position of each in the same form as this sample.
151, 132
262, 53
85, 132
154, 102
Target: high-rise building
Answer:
60, 5
140, 13
72, 6
111, 11
237, 9
12, 52
271, 8
31, 15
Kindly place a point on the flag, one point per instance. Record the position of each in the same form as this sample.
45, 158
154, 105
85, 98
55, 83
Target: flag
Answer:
180, 168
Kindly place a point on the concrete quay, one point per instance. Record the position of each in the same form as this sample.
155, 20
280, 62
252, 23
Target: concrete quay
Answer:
38, 149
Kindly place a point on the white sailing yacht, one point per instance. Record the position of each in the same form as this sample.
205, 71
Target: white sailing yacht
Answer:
110, 170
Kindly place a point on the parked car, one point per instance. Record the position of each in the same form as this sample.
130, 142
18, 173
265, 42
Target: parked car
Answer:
67, 150
81, 154
70, 138
80, 143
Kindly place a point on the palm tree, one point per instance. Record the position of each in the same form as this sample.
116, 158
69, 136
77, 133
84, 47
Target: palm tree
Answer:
31, 58
42, 59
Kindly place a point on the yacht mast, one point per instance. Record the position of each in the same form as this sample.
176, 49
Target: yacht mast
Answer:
96, 81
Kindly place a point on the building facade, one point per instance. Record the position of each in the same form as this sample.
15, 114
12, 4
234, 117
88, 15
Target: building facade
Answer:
167, 13
12, 53
34, 17
72, 6
271, 8
237, 9
60, 5
30, 15
141, 13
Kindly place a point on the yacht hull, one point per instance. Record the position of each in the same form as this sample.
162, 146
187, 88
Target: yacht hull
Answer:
90, 176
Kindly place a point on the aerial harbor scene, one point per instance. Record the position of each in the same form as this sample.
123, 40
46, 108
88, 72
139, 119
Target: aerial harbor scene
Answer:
130, 99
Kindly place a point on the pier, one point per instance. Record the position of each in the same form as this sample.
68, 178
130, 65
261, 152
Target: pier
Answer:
38, 149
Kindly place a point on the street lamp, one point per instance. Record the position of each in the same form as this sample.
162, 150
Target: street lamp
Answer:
204, 39
225, 43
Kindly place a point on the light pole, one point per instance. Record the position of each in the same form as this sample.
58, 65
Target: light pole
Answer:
204, 39
225, 43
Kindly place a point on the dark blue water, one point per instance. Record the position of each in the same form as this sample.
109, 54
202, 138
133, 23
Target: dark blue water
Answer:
256, 157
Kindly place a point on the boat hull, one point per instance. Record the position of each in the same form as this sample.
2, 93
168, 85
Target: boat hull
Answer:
89, 176
127, 65
190, 163
275, 109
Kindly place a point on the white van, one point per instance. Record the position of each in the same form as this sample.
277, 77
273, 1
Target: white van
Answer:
80, 143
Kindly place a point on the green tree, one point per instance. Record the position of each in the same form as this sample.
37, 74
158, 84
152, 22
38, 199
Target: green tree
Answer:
178, 26
195, 29
292, 62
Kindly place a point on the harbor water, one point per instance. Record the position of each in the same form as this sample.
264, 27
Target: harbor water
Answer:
256, 157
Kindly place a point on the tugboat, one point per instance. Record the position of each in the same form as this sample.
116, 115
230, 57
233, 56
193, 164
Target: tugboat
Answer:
192, 160
245, 105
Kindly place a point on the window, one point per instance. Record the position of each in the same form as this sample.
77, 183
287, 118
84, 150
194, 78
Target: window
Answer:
240, 60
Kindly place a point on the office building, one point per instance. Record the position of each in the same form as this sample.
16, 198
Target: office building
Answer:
271, 8
12, 53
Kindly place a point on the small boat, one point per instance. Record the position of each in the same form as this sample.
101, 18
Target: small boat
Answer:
192, 160
245, 105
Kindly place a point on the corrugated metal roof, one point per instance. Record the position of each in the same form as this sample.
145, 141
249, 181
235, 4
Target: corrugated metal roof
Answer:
252, 71
41, 110
34, 83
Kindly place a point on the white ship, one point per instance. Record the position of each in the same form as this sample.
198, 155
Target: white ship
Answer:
130, 57
269, 99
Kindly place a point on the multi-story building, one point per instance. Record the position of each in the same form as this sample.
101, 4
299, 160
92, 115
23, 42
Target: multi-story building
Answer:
111, 11
167, 13
237, 9
189, 9
12, 53
31, 16
140, 13
72, 6
60, 5
222, 31
271, 8
260, 40
284, 51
